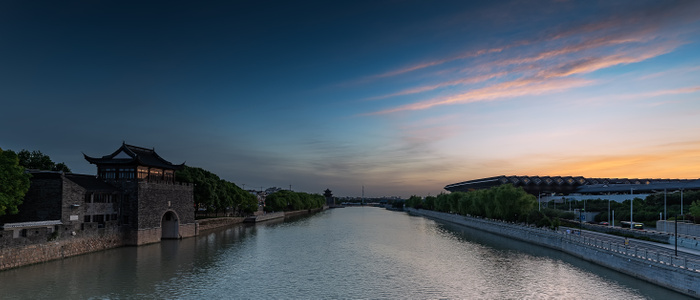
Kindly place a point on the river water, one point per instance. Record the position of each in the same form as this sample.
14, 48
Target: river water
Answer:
348, 253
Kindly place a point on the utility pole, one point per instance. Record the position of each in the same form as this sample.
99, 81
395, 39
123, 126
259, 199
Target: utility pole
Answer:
665, 216
682, 205
675, 239
631, 207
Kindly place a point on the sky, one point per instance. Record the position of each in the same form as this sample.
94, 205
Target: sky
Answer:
398, 97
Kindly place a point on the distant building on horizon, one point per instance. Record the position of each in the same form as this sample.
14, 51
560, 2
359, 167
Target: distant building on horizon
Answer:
578, 187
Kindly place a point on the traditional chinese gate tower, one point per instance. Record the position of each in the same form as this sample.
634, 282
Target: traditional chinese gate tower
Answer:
153, 206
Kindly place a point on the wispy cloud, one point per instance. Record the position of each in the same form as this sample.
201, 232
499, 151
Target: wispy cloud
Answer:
568, 52
673, 72
685, 90
516, 88
426, 88
424, 65
629, 26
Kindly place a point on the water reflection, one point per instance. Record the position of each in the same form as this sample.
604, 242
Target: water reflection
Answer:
344, 253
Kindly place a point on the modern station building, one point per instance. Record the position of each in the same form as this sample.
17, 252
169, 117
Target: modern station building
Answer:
554, 188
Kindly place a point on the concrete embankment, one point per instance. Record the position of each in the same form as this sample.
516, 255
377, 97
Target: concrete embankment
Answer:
207, 224
12, 256
669, 271
22, 255
281, 214
264, 217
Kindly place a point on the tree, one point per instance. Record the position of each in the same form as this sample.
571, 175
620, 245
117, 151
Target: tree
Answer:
695, 210
39, 161
14, 182
415, 202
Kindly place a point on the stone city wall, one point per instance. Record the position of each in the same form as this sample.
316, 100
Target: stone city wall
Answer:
154, 199
21, 255
668, 271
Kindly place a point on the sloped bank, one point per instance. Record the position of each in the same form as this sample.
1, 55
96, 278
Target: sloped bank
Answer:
281, 214
213, 223
668, 271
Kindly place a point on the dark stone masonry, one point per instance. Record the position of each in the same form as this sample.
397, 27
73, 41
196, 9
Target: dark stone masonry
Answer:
133, 200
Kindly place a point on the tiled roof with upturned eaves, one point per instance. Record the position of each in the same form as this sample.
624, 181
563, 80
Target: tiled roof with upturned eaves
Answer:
133, 155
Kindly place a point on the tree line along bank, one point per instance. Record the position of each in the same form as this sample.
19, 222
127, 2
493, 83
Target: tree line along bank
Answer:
211, 193
512, 204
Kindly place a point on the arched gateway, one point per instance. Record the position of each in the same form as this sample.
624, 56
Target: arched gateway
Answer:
147, 201
169, 226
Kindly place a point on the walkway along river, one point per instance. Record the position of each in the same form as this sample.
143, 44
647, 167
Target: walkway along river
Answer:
675, 272
348, 253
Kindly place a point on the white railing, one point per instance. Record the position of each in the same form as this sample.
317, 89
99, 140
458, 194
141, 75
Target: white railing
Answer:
628, 251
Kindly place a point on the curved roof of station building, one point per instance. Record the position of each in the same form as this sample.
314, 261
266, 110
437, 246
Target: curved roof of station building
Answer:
575, 184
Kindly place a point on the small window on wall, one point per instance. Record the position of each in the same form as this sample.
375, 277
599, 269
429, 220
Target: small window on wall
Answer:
98, 218
168, 175
87, 219
156, 174
126, 173
143, 172
110, 173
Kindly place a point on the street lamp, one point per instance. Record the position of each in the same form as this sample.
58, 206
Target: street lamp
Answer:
609, 210
631, 208
682, 205
675, 239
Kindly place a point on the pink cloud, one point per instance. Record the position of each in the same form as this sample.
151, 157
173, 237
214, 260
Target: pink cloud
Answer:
510, 89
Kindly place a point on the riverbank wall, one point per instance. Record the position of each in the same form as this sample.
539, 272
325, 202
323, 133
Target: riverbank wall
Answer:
40, 245
281, 214
213, 223
664, 270
65, 246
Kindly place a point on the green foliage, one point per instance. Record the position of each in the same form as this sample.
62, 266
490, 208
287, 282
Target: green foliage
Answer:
289, 200
429, 203
39, 161
567, 215
503, 202
415, 202
14, 182
398, 204
695, 209
215, 194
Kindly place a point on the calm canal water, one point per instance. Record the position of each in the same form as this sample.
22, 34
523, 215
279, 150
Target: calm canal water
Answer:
349, 253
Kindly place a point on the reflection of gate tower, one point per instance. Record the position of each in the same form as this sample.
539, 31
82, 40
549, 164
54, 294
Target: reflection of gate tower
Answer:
153, 205
329, 197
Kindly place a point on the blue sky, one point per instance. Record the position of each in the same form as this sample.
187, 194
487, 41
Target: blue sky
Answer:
402, 97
